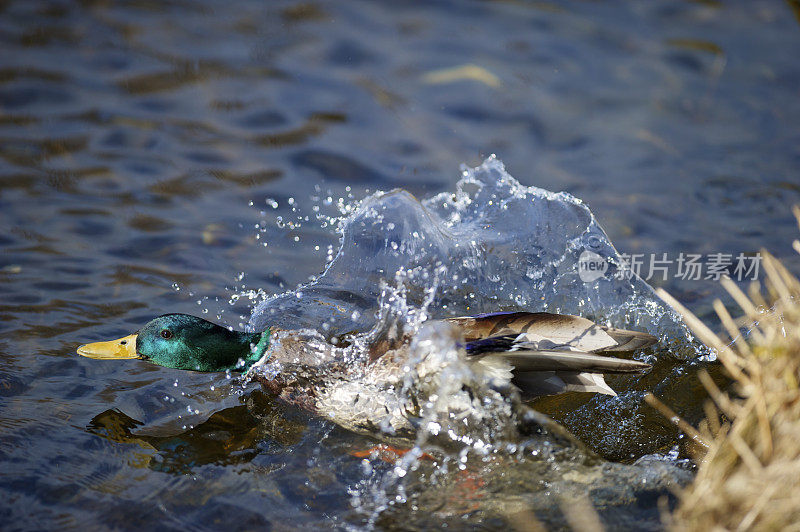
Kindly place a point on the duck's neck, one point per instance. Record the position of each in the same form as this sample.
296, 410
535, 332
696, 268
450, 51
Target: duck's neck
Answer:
237, 351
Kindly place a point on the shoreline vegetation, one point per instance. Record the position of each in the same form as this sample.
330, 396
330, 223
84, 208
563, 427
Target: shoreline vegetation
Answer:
748, 446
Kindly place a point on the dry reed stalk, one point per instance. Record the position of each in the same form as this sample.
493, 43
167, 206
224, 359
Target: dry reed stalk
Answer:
749, 458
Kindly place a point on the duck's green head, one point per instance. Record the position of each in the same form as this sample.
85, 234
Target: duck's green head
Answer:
186, 342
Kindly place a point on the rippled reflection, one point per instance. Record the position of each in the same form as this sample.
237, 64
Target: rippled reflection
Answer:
230, 436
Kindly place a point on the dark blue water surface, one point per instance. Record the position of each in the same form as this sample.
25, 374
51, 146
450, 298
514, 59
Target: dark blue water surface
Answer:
173, 156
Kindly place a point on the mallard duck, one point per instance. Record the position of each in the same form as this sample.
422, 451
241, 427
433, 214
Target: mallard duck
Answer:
538, 353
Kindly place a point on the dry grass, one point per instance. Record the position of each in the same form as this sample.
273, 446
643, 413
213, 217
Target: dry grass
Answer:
749, 464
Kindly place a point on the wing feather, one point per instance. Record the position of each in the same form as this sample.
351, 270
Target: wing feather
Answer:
530, 360
553, 330
539, 383
629, 340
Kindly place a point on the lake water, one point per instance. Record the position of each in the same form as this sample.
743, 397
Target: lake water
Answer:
193, 157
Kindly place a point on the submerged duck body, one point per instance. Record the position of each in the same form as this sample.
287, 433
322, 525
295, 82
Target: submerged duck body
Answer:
534, 353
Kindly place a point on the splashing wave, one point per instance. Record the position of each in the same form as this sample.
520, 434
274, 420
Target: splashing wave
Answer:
492, 245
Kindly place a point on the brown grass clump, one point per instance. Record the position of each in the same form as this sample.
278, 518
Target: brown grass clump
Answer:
749, 465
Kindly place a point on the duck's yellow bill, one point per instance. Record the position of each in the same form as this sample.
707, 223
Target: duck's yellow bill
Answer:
124, 347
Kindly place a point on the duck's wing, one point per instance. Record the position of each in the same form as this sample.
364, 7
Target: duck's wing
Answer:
526, 360
549, 353
539, 372
553, 330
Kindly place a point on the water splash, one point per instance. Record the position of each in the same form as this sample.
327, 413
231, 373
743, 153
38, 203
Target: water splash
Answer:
492, 245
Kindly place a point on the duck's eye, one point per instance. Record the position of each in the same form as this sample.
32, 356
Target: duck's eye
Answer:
123, 342
166, 334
